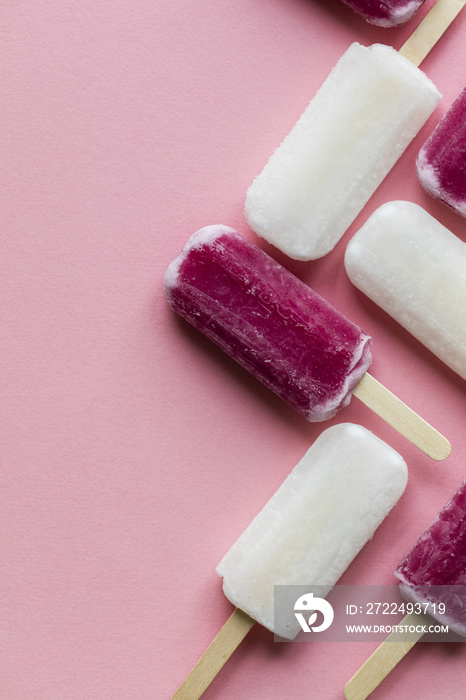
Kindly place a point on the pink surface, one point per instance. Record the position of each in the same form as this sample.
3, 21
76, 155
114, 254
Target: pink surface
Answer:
133, 451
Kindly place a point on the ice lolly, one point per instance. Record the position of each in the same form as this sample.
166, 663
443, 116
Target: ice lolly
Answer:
441, 163
339, 493
385, 13
355, 128
434, 570
280, 330
269, 321
415, 269
307, 534
351, 134
432, 575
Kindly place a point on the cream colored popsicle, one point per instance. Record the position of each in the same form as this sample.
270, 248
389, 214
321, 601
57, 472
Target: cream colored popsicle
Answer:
415, 269
307, 534
315, 524
355, 128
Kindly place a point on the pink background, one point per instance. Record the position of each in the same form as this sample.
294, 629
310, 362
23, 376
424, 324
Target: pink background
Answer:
133, 451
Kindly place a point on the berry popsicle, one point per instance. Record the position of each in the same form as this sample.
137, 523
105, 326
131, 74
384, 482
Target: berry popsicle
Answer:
441, 163
284, 333
385, 13
388, 258
269, 321
306, 535
433, 575
434, 570
355, 128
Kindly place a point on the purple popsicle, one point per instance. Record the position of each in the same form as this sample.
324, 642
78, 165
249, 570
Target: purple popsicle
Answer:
385, 13
441, 163
434, 570
284, 333
268, 320
433, 577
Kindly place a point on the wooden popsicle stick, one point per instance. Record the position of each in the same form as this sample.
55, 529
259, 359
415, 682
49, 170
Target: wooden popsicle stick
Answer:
402, 418
386, 657
215, 657
429, 31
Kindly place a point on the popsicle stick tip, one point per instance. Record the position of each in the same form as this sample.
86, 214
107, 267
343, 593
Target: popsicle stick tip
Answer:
397, 414
353, 693
443, 448
214, 658
349, 695
385, 658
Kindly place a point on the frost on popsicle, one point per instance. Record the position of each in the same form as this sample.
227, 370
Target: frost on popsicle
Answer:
434, 570
385, 13
268, 320
441, 163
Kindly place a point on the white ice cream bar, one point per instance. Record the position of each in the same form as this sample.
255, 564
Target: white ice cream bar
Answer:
415, 269
354, 130
315, 524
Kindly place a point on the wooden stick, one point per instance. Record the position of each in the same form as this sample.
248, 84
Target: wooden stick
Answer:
215, 657
402, 418
429, 31
386, 657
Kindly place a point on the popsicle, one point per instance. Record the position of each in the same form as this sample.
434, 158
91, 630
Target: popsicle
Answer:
415, 269
435, 568
385, 13
433, 574
284, 333
307, 534
355, 128
441, 163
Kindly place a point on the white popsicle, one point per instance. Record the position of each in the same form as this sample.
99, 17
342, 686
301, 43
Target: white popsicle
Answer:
307, 534
315, 524
415, 269
349, 137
